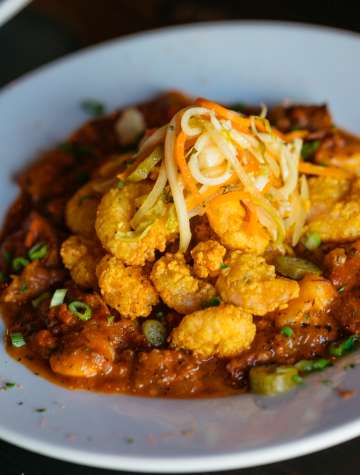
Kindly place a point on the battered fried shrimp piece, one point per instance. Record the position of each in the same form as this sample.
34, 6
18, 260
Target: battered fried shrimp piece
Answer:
81, 256
208, 257
223, 331
309, 308
342, 222
228, 220
340, 149
127, 289
177, 287
81, 208
251, 283
113, 226
325, 192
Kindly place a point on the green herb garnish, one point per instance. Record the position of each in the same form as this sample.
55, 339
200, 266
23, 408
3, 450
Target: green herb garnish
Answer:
309, 148
36, 302
111, 319
17, 339
38, 251
312, 241
120, 184
287, 331
19, 263
40, 409
308, 366
213, 302
341, 290
58, 297
93, 107
344, 347
224, 266
297, 379
81, 310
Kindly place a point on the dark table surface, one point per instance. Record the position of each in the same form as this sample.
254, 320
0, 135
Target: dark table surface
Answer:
49, 29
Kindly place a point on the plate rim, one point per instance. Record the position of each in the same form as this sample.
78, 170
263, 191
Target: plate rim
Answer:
252, 457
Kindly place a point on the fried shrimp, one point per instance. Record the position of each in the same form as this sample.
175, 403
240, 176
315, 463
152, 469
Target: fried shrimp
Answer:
251, 283
223, 331
325, 192
228, 221
316, 295
81, 208
127, 289
81, 256
342, 222
113, 224
208, 257
177, 287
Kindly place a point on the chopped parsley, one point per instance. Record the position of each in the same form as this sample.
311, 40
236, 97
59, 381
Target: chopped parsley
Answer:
93, 107
287, 331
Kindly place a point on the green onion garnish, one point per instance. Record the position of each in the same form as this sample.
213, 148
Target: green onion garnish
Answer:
287, 331
111, 319
36, 302
341, 290
345, 347
58, 297
18, 263
309, 148
297, 379
9, 385
308, 366
93, 107
81, 310
38, 251
17, 340
214, 302
312, 241
120, 184
224, 266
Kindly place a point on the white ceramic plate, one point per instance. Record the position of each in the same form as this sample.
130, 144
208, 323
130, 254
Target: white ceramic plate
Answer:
256, 62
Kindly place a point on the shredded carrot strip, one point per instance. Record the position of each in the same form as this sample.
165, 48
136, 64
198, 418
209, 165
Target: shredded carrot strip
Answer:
242, 124
193, 202
183, 166
296, 134
312, 169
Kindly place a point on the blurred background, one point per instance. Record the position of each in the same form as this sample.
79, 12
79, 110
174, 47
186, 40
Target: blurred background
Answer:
48, 29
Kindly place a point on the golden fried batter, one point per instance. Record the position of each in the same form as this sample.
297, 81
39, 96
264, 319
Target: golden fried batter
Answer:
127, 289
208, 257
316, 294
177, 287
223, 331
81, 256
251, 283
325, 192
342, 222
113, 226
228, 220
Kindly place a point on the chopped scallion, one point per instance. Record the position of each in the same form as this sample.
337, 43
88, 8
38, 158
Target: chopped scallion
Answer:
81, 310
309, 149
312, 241
287, 331
341, 290
214, 302
120, 184
344, 347
17, 340
38, 251
58, 297
36, 302
224, 266
19, 263
111, 319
